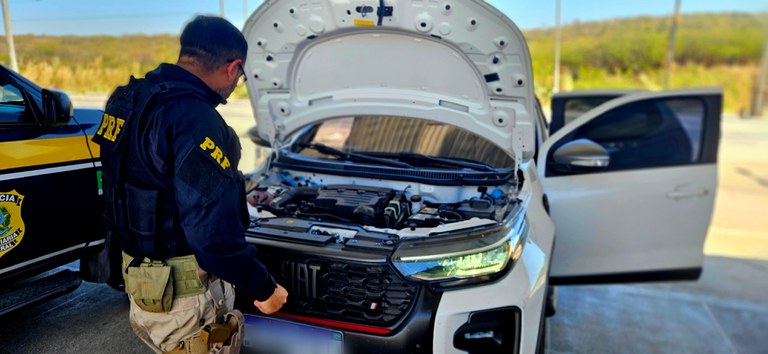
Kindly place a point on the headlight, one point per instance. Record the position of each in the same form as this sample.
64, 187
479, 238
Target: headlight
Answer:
470, 259
441, 267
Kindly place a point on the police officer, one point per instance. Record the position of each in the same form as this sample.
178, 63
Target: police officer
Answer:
175, 200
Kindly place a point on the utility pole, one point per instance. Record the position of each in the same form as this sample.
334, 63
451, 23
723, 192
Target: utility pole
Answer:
760, 88
221, 8
9, 37
556, 83
672, 42
245, 10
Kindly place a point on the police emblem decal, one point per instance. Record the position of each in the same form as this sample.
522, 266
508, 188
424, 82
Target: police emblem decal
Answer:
11, 225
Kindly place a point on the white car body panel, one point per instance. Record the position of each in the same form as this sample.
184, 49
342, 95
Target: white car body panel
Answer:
524, 287
640, 220
627, 222
480, 57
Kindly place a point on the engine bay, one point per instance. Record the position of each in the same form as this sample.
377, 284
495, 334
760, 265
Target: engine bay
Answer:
375, 207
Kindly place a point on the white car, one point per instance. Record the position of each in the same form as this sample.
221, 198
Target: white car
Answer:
414, 202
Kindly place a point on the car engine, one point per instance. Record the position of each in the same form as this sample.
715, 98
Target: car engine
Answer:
374, 206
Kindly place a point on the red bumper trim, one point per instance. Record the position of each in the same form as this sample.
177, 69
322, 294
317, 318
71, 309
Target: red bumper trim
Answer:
334, 324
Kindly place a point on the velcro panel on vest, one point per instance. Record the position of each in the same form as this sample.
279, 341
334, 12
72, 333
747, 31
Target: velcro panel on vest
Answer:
194, 173
142, 218
142, 210
186, 281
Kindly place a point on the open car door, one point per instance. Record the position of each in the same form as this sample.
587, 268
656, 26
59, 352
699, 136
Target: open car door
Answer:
631, 186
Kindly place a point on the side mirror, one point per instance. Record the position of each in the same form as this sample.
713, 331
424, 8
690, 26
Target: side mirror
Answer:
582, 153
253, 134
57, 108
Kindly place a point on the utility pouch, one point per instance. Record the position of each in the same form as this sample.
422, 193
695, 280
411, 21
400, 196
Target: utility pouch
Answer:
215, 333
151, 285
227, 337
186, 281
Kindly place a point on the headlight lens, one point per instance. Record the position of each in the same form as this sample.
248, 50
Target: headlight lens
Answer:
458, 267
479, 258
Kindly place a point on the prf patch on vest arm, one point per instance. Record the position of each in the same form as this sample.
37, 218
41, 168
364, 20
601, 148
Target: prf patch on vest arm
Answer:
205, 167
111, 127
208, 145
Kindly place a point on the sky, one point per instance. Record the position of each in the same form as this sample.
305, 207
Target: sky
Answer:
118, 17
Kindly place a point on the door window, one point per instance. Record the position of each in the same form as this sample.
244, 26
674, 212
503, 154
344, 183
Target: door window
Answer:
575, 107
12, 104
566, 109
647, 134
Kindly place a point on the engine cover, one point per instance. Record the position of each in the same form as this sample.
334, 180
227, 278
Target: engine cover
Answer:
353, 202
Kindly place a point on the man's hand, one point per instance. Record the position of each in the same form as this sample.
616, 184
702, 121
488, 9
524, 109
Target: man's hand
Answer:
274, 303
258, 197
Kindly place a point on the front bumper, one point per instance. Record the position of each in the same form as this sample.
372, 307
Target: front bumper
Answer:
412, 335
471, 318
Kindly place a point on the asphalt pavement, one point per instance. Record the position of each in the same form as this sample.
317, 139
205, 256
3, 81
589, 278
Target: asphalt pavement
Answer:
726, 311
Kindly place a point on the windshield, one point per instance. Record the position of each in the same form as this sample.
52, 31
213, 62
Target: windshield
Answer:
400, 138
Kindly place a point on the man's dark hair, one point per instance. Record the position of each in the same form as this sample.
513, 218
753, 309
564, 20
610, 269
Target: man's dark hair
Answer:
212, 41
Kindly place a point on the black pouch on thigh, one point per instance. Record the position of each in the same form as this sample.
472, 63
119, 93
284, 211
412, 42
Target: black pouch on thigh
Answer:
151, 285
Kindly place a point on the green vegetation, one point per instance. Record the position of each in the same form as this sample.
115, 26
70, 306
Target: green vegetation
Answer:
712, 50
639, 44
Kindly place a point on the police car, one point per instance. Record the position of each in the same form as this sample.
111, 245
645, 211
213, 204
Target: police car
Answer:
415, 200
50, 197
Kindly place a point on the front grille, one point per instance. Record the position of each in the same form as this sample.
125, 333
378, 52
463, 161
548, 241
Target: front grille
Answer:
370, 294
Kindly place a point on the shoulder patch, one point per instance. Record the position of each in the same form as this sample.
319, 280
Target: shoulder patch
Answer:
111, 129
216, 153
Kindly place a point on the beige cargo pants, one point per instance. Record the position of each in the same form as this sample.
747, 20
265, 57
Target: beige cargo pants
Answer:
162, 332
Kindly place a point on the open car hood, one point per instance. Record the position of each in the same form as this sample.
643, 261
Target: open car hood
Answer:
458, 62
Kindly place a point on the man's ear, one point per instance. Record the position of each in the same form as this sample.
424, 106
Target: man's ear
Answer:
233, 69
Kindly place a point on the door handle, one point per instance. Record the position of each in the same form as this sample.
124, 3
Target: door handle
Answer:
688, 193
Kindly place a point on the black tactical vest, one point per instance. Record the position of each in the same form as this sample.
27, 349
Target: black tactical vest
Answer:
140, 203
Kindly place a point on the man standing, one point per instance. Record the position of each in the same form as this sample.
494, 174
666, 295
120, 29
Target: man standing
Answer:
175, 200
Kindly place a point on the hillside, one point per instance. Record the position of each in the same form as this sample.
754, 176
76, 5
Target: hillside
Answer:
640, 43
712, 50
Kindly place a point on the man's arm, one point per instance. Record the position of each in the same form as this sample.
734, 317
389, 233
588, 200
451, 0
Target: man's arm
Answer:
210, 198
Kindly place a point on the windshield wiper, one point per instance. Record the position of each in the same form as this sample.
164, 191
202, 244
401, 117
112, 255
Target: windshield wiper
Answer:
327, 150
443, 160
